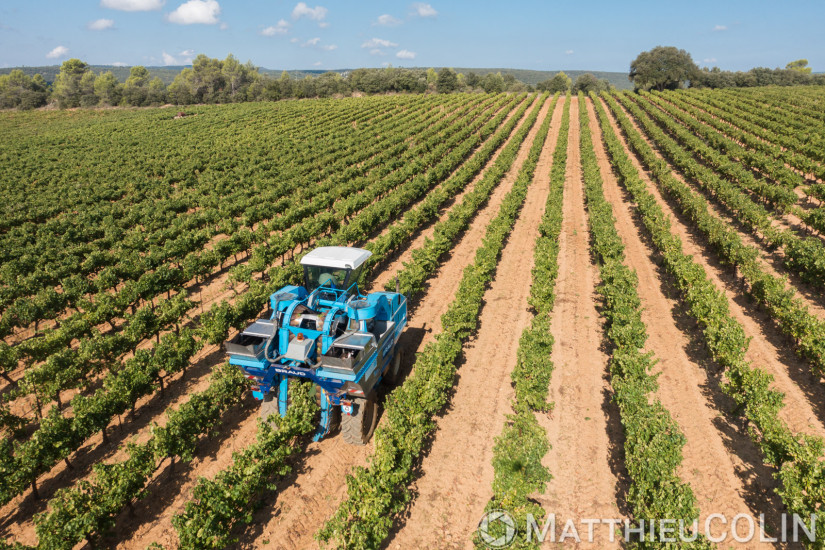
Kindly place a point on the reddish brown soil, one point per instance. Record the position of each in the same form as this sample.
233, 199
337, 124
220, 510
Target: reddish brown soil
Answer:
302, 507
457, 472
582, 428
767, 350
722, 466
153, 516
708, 467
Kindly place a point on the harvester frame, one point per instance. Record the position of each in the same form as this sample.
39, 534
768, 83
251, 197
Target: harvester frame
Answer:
326, 332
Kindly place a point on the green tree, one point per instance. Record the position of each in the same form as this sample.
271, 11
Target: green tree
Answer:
208, 81
238, 77
67, 88
156, 94
559, 83
285, 85
662, 68
493, 83
472, 80
108, 89
179, 91
447, 81
329, 84
88, 98
136, 89
18, 90
432, 78
586, 83
800, 65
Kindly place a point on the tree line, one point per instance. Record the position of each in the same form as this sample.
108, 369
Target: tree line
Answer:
669, 68
211, 80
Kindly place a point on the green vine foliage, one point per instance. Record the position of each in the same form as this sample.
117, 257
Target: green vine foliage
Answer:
377, 493
797, 458
653, 442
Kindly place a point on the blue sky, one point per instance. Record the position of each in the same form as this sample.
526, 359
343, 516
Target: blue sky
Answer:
330, 34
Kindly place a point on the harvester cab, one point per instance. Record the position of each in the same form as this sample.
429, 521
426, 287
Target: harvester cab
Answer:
326, 332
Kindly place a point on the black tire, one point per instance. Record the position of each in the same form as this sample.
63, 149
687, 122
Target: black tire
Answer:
393, 374
334, 412
357, 428
269, 405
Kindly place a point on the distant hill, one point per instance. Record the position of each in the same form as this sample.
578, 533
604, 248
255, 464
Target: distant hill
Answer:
168, 73
49, 73
619, 80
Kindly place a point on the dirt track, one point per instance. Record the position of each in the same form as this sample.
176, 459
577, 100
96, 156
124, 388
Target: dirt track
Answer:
582, 427
457, 472
708, 467
756, 484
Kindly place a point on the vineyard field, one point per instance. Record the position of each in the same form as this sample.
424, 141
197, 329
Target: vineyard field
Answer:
616, 324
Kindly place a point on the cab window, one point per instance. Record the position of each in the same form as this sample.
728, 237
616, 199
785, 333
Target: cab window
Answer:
331, 277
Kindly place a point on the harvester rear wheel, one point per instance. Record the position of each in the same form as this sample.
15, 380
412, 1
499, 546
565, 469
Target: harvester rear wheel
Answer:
393, 375
269, 406
357, 428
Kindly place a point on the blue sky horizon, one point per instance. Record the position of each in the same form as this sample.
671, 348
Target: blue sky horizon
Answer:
333, 34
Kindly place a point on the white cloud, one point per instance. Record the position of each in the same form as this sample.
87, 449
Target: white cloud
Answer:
100, 24
224, 26
132, 5
423, 10
282, 27
119, 64
323, 24
718, 28
316, 43
405, 54
58, 52
378, 43
568, 52
293, 40
318, 13
377, 51
183, 58
204, 12
709, 60
387, 20
317, 63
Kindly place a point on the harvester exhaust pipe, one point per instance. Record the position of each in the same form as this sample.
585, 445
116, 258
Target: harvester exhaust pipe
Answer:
397, 285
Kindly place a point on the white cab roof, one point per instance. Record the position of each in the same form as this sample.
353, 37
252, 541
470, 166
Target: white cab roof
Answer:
339, 257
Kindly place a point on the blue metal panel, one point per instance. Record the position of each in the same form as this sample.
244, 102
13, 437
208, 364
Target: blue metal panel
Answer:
299, 291
243, 362
323, 373
283, 393
323, 427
